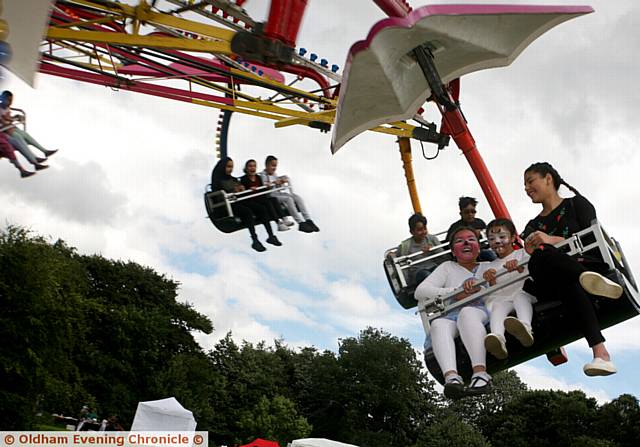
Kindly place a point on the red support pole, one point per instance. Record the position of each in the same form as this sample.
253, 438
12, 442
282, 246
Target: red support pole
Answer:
394, 8
285, 18
456, 126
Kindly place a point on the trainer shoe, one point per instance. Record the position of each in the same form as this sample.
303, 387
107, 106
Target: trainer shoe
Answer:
288, 221
520, 330
273, 240
40, 167
313, 225
25, 174
454, 387
600, 367
305, 227
596, 284
496, 345
50, 153
257, 246
282, 226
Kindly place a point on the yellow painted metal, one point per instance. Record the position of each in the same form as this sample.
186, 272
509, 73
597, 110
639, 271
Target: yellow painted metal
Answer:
405, 153
143, 13
327, 116
203, 46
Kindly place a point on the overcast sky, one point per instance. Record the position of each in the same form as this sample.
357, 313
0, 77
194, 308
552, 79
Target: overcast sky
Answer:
129, 177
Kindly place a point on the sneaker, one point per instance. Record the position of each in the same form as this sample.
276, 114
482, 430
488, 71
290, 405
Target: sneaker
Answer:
305, 227
282, 226
313, 225
50, 153
257, 246
453, 387
599, 367
596, 284
520, 330
41, 159
25, 174
288, 221
496, 345
273, 240
40, 167
480, 384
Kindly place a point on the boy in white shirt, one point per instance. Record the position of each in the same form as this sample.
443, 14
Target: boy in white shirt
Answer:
501, 234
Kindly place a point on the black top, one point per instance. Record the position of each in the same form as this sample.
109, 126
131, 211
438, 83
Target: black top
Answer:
478, 224
572, 215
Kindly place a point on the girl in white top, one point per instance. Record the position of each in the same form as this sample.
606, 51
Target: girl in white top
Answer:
501, 234
468, 322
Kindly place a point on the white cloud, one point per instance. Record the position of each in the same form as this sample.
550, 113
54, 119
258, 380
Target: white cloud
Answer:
538, 379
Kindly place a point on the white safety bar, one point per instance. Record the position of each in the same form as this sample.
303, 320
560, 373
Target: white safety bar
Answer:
231, 197
432, 308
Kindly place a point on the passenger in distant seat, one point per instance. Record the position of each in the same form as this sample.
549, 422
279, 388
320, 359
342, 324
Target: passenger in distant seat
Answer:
221, 179
559, 276
7, 150
469, 321
291, 201
467, 206
420, 241
251, 180
502, 236
19, 138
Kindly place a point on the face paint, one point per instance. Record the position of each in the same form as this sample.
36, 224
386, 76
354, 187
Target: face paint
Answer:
465, 246
500, 241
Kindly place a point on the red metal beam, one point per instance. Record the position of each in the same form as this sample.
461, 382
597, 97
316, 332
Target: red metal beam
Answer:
394, 8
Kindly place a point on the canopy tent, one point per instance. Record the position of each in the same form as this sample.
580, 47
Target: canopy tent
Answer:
27, 25
163, 415
259, 442
319, 442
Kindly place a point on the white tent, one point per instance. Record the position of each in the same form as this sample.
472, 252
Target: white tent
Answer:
319, 442
163, 415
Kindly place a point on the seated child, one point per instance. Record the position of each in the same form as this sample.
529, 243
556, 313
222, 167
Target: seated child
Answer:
420, 240
502, 235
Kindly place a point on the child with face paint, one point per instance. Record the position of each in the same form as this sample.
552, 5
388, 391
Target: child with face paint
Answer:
468, 322
502, 235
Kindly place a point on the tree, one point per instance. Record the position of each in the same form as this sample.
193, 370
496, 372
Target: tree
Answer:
619, 421
275, 419
449, 430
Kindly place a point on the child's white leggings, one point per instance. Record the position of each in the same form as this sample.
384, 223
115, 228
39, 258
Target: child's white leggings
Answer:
470, 326
500, 309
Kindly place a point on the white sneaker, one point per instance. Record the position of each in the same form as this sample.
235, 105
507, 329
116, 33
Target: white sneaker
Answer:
282, 226
288, 221
496, 345
599, 367
520, 330
596, 284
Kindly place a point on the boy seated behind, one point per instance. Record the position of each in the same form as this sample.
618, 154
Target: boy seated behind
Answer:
420, 241
501, 234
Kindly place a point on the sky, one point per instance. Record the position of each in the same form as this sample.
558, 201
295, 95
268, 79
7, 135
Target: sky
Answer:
128, 181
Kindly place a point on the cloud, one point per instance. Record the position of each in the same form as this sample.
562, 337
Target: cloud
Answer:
538, 379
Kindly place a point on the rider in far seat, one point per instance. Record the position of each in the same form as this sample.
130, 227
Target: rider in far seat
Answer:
468, 211
422, 241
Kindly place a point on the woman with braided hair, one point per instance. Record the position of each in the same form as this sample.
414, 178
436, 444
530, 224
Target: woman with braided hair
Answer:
555, 274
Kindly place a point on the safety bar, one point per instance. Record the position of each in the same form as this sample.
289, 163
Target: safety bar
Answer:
432, 308
231, 197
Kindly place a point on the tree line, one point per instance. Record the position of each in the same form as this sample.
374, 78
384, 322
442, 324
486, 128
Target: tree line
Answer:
78, 329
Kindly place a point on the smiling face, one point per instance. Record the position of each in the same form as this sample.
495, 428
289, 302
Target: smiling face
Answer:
538, 187
465, 246
501, 240
419, 232
251, 168
271, 167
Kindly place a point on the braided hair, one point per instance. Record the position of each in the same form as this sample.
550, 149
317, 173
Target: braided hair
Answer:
544, 168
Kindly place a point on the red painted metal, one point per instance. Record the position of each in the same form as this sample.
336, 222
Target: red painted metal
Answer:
285, 17
133, 86
456, 126
394, 8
